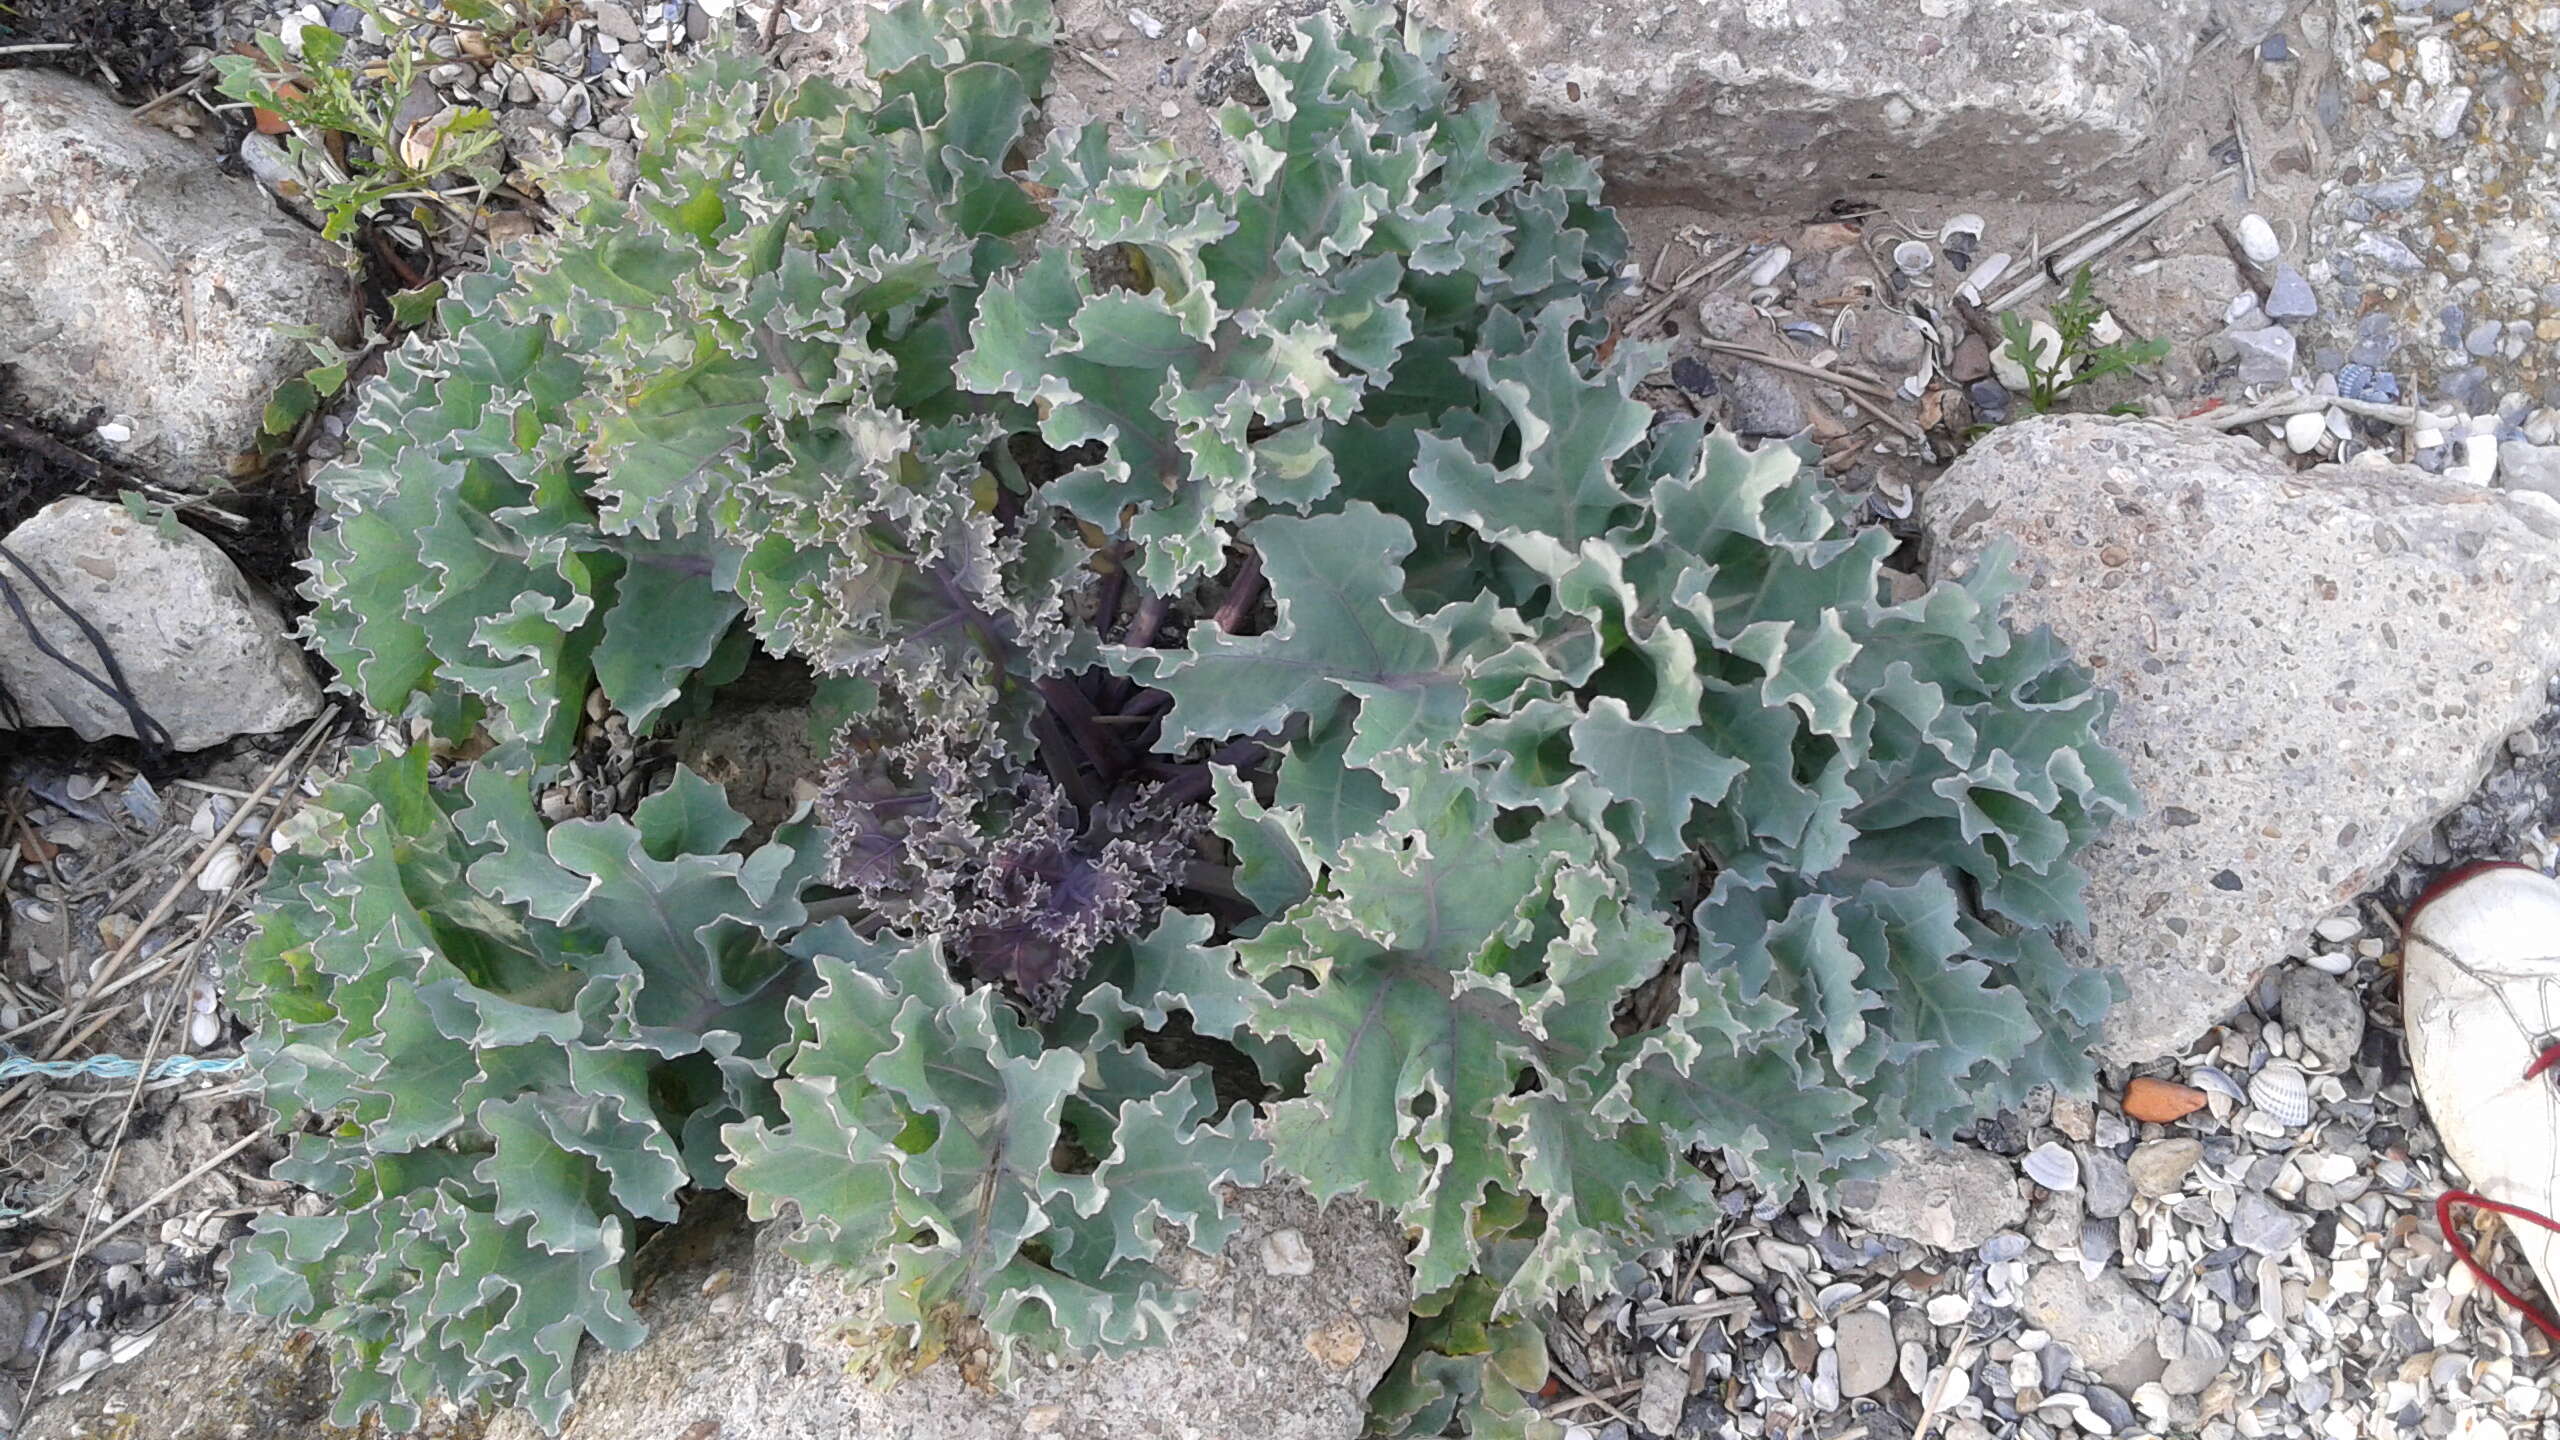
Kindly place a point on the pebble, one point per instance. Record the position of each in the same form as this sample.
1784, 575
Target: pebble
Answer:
2258, 239
2106, 1184
1867, 1352
2159, 1167
2323, 1012
2259, 1224
2266, 355
614, 20
2290, 297
2388, 252
1286, 1253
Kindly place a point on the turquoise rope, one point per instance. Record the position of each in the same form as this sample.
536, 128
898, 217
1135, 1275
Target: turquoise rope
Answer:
116, 1067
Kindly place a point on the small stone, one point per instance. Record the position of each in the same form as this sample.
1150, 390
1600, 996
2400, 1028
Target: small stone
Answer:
1949, 1309
2106, 1183
1764, 405
2102, 1319
1867, 1352
2325, 1013
2160, 1102
2399, 192
1665, 1393
2388, 252
615, 20
2076, 1118
1285, 1252
2290, 297
1954, 1199
2339, 929
2266, 355
2261, 1225
2258, 239
2159, 1167
2483, 338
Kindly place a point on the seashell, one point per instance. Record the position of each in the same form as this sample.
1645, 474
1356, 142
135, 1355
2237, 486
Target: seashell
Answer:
222, 871
2217, 1080
204, 1031
2303, 432
1771, 264
1913, 258
1968, 225
1986, 273
1829, 1300
2282, 1094
2052, 1166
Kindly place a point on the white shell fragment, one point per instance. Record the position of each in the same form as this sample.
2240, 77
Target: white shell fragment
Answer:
2258, 239
1913, 258
1772, 263
1986, 272
2053, 1166
1968, 225
2282, 1095
221, 872
2302, 432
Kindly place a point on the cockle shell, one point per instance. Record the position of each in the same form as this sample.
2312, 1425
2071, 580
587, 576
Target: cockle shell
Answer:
2281, 1094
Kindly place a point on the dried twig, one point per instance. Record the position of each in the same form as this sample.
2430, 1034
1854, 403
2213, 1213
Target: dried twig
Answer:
1936, 1384
2106, 238
1583, 1396
2277, 409
1690, 279
51, 48
1846, 382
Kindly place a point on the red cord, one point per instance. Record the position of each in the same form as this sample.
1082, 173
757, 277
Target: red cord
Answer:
2446, 1203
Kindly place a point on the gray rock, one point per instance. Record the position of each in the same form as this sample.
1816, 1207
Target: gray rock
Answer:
2055, 1224
2326, 1014
1953, 1199
207, 656
2104, 1321
2290, 297
2159, 1167
1765, 403
614, 20
2106, 1183
2523, 466
2310, 668
2261, 1225
2196, 1357
1799, 101
1665, 1393
1867, 1352
2266, 353
2388, 252
140, 278
2398, 192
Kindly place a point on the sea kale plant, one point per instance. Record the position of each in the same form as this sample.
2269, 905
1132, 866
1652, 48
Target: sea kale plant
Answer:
1308, 720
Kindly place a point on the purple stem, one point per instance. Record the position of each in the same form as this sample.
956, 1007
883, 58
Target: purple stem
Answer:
1241, 595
